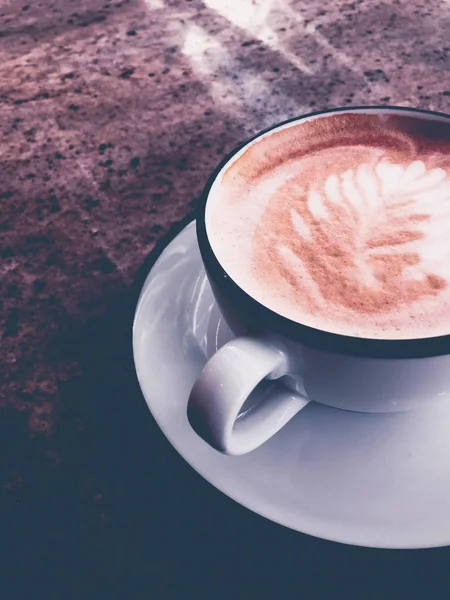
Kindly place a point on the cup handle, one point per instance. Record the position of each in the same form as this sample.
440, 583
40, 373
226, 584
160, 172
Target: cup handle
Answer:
224, 385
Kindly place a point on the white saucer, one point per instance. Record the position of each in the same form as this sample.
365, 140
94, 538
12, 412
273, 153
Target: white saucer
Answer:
369, 480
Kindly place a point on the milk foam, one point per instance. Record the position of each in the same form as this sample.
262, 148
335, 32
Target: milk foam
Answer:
342, 224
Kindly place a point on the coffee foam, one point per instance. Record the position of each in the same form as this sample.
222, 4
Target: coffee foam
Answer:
342, 223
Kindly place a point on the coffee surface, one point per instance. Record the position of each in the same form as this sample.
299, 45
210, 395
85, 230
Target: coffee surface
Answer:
342, 223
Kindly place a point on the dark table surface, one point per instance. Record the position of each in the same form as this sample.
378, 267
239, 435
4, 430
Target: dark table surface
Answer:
112, 115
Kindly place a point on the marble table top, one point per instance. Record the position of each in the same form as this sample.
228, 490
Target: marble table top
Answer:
112, 115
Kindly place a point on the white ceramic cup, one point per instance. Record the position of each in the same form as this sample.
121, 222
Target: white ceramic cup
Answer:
350, 373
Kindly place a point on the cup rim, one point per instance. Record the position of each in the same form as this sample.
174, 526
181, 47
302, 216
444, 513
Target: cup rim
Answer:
293, 330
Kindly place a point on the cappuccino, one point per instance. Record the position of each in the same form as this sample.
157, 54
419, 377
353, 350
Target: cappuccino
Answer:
341, 222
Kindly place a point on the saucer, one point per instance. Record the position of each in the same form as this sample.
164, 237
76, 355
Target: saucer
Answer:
379, 480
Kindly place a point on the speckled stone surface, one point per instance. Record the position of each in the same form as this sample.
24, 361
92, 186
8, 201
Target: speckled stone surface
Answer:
112, 115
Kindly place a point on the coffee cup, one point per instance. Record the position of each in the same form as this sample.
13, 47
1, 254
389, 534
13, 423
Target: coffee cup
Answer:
324, 239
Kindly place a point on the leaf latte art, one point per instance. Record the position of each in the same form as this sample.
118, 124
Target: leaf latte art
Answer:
349, 232
376, 229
